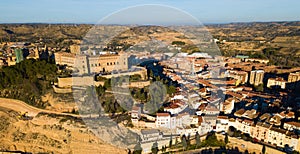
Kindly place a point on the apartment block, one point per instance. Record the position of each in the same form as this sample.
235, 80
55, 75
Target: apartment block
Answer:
256, 77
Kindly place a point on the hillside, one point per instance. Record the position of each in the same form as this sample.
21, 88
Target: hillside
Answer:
47, 134
276, 41
273, 40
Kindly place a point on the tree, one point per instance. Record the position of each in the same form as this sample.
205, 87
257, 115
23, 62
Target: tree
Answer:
170, 142
212, 140
259, 88
198, 140
107, 84
231, 131
211, 136
154, 148
188, 140
295, 152
28, 80
245, 136
263, 150
129, 151
100, 90
184, 143
171, 89
246, 151
151, 74
226, 139
137, 149
157, 78
179, 43
237, 133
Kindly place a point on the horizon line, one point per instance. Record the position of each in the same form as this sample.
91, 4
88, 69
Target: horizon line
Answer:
91, 23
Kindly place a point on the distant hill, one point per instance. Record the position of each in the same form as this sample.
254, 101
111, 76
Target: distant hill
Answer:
257, 39
277, 41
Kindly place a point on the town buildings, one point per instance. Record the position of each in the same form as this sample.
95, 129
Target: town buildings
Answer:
164, 120
276, 82
292, 126
227, 106
294, 77
276, 136
135, 114
222, 123
260, 132
294, 80
216, 104
256, 77
176, 106
241, 76
19, 51
264, 61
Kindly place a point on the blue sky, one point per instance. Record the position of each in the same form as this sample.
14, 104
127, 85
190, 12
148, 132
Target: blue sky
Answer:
92, 11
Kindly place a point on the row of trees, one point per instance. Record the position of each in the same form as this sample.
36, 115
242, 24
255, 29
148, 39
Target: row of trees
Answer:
233, 132
210, 141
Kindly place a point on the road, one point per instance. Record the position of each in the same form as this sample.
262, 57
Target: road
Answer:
32, 111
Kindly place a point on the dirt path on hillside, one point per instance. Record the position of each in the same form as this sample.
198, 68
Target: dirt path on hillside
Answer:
22, 107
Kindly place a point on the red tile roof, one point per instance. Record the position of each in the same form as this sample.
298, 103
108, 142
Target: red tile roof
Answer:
239, 96
200, 120
222, 117
162, 114
248, 121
